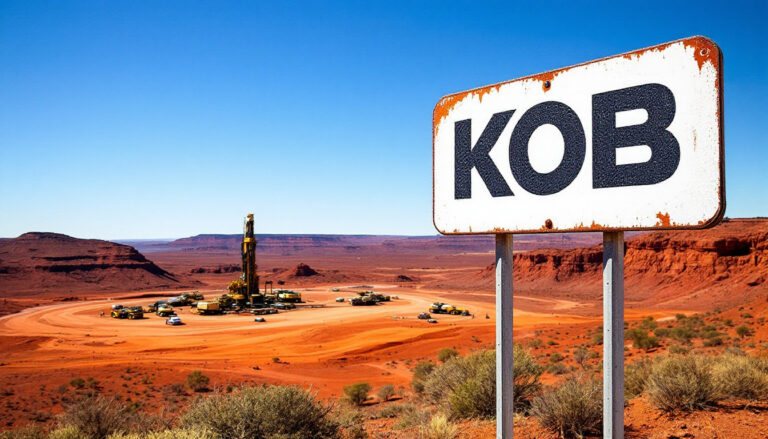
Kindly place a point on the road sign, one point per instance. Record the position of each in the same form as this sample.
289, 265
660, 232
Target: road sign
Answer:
629, 142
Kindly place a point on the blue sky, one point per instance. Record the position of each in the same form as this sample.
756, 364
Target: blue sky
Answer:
166, 119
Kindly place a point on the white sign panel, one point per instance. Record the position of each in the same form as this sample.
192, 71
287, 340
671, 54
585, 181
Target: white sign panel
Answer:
630, 142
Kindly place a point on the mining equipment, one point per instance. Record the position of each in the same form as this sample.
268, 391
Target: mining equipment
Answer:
444, 308
152, 307
244, 290
185, 299
288, 296
208, 308
376, 296
283, 305
363, 301
133, 313
163, 310
440, 308
368, 298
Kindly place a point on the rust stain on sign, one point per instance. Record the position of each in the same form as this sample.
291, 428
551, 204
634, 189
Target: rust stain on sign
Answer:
663, 220
447, 103
704, 50
701, 62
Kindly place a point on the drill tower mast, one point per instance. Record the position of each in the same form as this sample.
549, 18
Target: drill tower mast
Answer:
250, 278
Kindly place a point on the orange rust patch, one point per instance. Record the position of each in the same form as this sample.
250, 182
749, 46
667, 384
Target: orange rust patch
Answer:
663, 220
447, 103
547, 76
703, 50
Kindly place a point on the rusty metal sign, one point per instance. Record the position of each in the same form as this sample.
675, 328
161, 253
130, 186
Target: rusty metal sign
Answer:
629, 142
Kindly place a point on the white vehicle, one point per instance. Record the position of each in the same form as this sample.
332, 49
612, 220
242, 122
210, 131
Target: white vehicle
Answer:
173, 321
394, 297
260, 319
117, 306
340, 299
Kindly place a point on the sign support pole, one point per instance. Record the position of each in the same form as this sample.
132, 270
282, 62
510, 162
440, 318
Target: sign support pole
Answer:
504, 343
613, 335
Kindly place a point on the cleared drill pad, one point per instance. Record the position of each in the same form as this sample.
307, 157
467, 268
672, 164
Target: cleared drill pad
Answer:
691, 197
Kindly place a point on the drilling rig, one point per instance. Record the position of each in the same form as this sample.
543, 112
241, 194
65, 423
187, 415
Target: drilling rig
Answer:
244, 291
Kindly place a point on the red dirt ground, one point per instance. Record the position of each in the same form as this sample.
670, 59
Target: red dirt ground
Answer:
557, 298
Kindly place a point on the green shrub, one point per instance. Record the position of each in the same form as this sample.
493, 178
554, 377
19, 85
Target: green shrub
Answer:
636, 376
394, 410
387, 391
411, 416
28, 432
446, 354
662, 332
556, 357
682, 382
641, 339
286, 412
682, 334
743, 331
97, 417
679, 349
557, 368
420, 374
740, 376
350, 421
535, 343
357, 393
465, 387
197, 381
597, 338
65, 432
167, 434
77, 383
574, 408
714, 341
580, 356
648, 324
439, 427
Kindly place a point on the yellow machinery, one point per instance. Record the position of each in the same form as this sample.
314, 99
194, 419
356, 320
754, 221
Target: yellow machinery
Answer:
133, 313
164, 310
288, 296
245, 290
208, 308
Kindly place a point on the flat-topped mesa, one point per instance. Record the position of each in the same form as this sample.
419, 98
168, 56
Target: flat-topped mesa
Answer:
53, 262
722, 266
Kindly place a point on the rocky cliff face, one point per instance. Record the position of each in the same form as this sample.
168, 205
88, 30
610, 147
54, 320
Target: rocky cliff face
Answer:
50, 262
699, 268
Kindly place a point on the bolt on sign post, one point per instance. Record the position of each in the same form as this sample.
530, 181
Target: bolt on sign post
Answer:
629, 142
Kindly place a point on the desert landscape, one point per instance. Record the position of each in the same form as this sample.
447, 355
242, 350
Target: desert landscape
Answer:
689, 292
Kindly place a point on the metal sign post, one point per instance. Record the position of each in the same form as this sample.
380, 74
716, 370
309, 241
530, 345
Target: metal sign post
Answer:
629, 142
504, 343
613, 335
